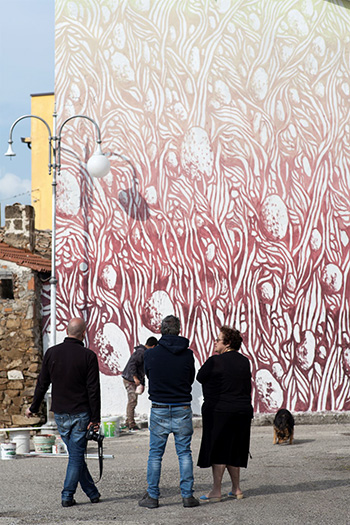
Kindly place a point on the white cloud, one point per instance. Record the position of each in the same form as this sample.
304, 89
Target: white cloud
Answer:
14, 189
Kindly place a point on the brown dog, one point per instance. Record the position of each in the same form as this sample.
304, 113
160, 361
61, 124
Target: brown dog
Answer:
283, 427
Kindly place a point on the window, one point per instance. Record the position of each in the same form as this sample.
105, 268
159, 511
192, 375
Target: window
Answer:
6, 285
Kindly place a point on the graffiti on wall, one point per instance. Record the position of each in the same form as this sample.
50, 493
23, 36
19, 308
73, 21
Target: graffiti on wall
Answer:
227, 126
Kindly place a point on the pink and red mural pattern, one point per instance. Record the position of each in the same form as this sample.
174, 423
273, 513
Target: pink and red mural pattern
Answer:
227, 124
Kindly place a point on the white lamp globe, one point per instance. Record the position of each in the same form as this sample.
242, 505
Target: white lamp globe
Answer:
98, 165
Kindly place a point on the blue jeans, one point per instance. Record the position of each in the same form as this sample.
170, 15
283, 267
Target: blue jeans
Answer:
72, 428
164, 421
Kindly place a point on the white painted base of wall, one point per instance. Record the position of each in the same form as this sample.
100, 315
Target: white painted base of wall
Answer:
114, 398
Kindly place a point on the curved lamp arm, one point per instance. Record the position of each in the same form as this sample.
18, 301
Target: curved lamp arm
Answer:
98, 165
11, 153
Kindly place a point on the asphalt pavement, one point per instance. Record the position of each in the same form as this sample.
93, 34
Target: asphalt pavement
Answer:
304, 483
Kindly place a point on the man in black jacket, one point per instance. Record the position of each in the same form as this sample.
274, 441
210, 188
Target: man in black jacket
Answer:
170, 371
133, 377
73, 371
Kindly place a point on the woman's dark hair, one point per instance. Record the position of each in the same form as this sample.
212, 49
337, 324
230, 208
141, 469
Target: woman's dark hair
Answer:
231, 337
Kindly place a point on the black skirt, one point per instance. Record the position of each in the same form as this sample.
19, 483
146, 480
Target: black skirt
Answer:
225, 439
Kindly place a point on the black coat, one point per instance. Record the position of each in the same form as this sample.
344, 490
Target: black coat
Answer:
226, 383
73, 371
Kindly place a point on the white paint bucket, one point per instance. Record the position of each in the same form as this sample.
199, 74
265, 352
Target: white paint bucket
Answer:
59, 447
43, 443
8, 450
21, 438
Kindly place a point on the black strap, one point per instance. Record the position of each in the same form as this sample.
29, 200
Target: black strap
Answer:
100, 459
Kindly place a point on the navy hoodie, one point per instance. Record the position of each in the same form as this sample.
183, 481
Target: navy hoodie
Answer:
169, 367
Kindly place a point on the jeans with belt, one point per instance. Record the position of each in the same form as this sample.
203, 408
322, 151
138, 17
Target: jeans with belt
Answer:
164, 420
72, 428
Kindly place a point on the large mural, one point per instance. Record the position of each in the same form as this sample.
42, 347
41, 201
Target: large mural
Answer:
227, 124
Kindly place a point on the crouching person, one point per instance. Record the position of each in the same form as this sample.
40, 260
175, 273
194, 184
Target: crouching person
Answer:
134, 377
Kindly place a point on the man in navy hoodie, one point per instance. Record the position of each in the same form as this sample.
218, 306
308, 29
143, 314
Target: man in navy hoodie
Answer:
170, 371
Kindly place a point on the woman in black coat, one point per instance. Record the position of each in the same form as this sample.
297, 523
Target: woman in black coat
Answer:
226, 412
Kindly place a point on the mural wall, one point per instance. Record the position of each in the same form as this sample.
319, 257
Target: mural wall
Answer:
227, 124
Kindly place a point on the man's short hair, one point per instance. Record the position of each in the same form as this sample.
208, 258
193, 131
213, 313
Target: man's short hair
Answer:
151, 341
170, 325
76, 327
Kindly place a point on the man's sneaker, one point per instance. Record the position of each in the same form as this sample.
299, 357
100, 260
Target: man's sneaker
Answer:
147, 501
134, 428
190, 502
68, 502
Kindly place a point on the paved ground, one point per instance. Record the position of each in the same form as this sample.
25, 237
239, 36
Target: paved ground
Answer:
305, 483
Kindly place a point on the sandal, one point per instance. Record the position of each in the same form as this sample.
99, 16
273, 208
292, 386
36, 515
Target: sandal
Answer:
209, 500
235, 496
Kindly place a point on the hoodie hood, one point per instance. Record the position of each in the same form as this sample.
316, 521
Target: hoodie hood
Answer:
139, 347
174, 343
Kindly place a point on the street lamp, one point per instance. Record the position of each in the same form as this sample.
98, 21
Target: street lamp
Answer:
97, 166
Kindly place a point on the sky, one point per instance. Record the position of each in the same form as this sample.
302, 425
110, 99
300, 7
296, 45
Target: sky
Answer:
27, 42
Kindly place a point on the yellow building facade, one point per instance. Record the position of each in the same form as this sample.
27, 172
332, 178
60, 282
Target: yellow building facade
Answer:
42, 105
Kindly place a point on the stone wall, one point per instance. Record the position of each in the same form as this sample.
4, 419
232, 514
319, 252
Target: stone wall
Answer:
19, 226
42, 242
20, 346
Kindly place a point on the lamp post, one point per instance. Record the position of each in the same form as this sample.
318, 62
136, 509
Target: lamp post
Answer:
98, 166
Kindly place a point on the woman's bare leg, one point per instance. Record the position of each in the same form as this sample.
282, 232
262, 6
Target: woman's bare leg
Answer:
218, 472
234, 475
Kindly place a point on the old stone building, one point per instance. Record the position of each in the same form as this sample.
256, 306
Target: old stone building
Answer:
24, 275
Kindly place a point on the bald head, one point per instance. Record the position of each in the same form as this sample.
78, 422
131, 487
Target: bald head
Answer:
76, 328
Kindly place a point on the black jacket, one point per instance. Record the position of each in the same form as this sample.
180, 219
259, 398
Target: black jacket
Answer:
226, 382
135, 367
73, 371
169, 367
